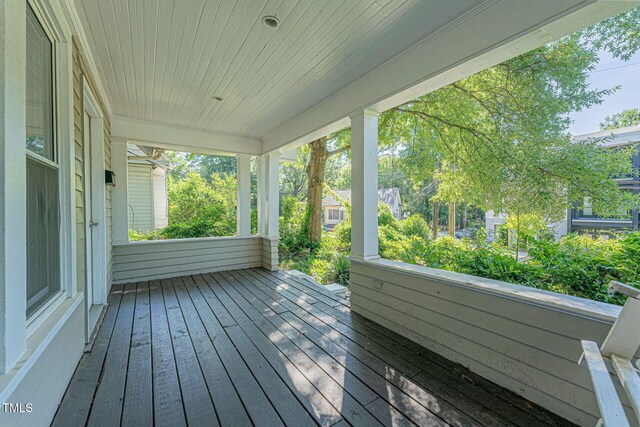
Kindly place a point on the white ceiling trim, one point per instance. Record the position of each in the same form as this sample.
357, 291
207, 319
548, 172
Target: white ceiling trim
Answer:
182, 139
438, 61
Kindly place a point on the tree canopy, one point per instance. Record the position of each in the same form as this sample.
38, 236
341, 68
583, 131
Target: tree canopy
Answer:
629, 117
499, 139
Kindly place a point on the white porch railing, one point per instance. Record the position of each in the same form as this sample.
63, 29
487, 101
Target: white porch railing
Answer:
156, 259
524, 339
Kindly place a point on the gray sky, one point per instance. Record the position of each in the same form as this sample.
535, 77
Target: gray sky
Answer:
609, 73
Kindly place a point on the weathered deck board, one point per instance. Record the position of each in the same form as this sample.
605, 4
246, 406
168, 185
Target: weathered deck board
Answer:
74, 409
253, 347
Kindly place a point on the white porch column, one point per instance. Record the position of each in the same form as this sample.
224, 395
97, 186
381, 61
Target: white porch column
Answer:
262, 195
272, 193
244, 195
269, 207
119, 198
13, 208
364, 184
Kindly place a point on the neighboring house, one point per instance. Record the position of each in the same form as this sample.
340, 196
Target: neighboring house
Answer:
494, 222
147, 188
583, 220
334, 212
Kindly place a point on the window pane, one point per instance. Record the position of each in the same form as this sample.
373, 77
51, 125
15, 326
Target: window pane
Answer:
43, 208
43, 234
39, 89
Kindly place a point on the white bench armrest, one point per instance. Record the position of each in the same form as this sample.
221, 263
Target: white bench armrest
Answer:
630, 380
611, 410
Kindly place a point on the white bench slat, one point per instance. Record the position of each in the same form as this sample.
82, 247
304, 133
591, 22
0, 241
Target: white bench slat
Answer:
630, 380
611, 410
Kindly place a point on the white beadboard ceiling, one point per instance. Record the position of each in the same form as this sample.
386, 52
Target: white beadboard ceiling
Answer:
163, 61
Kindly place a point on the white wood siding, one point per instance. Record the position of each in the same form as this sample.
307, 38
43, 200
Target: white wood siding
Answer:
139, 187
80, 71
521, 338
148, 260
270, 253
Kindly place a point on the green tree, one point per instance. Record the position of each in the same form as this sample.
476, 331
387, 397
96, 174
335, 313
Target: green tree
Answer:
198, 208
499, 138
628, 117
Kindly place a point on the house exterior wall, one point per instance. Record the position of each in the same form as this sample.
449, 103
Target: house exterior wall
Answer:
524, 339
55, 338
492, 220
325, 217
140, 197
80, 72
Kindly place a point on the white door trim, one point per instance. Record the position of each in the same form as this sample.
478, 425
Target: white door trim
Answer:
95, 211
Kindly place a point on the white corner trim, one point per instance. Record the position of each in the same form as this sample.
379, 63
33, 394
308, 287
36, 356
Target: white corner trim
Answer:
552, 300
185, 139
73, 21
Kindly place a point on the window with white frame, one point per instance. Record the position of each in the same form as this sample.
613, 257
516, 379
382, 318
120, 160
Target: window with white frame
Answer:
42, 167
336, 214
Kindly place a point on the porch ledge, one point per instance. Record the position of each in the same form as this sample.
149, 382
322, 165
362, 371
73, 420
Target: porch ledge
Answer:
555, 301
187, 240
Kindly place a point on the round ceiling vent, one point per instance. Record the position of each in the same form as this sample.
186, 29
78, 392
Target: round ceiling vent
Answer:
270, 21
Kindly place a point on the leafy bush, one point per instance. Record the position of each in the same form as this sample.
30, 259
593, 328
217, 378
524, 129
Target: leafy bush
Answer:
198, 208
416, 225
574, 265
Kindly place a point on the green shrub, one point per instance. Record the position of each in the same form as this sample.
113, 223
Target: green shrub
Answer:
415, 225
574, 265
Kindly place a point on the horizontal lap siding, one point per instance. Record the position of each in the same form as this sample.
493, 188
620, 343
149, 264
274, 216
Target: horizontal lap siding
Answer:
152, 260
79, 169
525, 347
80, 71
270, 253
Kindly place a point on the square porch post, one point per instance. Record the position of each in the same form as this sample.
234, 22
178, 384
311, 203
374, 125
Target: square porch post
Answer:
119, 196
269, 207
364, 184
244, 195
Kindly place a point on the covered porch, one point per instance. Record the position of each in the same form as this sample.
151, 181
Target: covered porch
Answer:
255, 347
207, 331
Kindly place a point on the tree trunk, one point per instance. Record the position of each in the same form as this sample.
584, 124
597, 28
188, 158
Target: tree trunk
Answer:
452, 219
436, 218
315, 172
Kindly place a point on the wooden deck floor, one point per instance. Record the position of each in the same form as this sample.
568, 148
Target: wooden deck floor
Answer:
252, 347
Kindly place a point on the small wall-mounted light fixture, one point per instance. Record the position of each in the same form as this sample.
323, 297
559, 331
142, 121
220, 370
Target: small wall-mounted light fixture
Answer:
110, 178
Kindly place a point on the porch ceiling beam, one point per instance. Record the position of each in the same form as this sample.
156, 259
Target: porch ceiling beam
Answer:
183, 139
489, 34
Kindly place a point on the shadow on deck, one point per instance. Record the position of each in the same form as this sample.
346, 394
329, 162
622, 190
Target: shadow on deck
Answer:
253, 347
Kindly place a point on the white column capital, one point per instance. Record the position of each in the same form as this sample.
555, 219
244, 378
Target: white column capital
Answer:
355, 115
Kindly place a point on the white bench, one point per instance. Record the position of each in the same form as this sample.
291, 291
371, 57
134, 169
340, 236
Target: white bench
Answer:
618, 349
